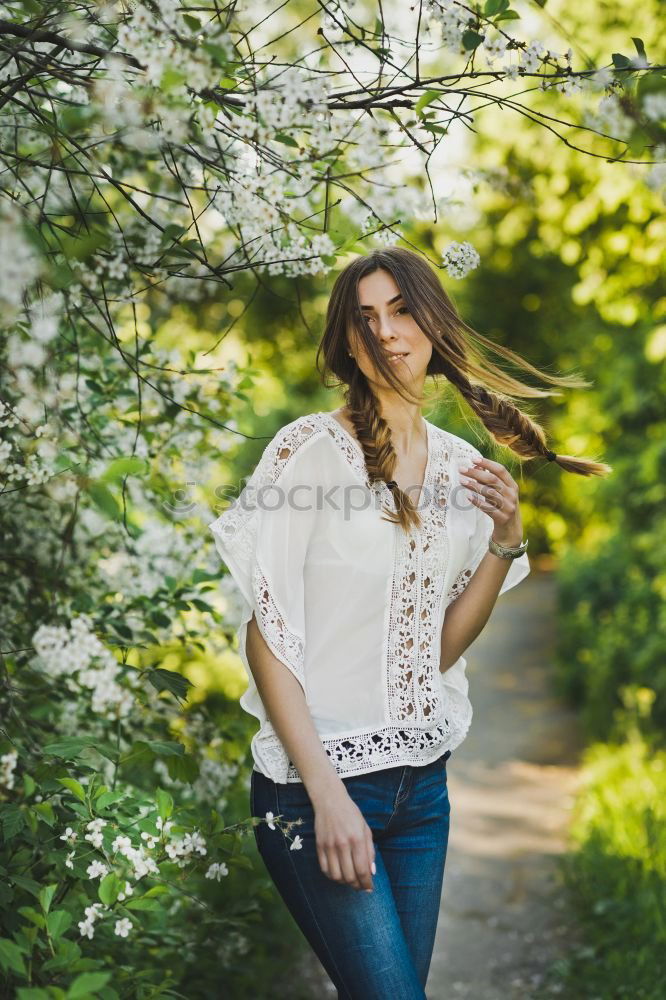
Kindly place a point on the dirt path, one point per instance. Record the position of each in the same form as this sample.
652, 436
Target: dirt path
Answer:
503, 919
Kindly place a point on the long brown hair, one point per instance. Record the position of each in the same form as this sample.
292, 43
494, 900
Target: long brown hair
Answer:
458, 354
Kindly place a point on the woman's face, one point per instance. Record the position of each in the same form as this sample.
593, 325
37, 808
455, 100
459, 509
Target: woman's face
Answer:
393, 326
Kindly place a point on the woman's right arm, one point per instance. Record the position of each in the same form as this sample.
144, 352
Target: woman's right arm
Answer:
345, 848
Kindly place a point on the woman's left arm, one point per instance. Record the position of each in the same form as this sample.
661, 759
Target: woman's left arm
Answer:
495, 492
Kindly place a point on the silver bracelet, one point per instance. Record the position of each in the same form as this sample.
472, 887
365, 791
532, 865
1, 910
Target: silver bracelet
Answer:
507, 552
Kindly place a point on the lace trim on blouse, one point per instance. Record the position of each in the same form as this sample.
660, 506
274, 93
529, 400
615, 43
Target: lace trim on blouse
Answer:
238, 523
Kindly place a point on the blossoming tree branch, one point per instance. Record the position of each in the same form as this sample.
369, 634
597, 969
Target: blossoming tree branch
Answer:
157, 156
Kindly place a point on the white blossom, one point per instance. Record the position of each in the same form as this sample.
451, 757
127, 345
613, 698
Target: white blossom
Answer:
20, 264
94, 835
296, 844
8, 763
460, 258
121, 844
97, 869
86, 663
181, 850
92, 913
217, 870
123, 927
127, 891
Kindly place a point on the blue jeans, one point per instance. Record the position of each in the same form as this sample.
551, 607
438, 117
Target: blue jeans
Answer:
374, 945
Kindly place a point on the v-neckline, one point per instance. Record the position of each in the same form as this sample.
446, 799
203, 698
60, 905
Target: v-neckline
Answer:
357, 445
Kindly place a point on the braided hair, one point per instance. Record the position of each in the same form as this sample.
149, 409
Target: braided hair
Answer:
459, 353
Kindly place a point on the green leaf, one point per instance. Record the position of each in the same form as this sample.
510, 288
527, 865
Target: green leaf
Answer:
426, 99
169, 680
44, 811
58, 922
28, 784
71, 748
638, 141
165, 748
471, 39
29, 884
183, 768
30, 913
121, 467
173, 231
640, 47
46, 897
160, 619
67, 953
74, 786
157, 890
11, 958
33, 993
164, 803
13, 820
619, 61
103, 498
87, 982
108, 799
171, 77
109, 888
123, 630
201, 605
508, 15
219, 56
143, 904
492, 7
68, 748
288, 140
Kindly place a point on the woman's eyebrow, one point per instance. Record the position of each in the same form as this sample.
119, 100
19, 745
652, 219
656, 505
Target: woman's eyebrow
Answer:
390, 302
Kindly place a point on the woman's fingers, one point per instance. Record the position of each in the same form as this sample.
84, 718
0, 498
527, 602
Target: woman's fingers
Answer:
333, 865
345, 847
494, 468
362, 864
348, 867
371, 850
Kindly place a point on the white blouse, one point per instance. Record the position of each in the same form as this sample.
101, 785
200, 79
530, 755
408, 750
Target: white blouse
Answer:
350, 603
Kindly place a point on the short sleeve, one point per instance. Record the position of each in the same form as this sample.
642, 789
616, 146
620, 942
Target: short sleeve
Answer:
263, 539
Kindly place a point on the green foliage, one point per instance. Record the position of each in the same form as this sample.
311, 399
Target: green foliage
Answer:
616, 874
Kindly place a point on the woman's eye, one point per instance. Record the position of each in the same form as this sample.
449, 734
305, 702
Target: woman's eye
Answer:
403, 309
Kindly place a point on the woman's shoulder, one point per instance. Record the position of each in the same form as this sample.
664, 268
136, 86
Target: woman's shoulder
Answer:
292, 441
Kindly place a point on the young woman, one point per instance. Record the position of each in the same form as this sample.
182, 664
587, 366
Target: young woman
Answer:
370, 546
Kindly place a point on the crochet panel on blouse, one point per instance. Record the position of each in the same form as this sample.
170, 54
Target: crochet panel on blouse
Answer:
425, 713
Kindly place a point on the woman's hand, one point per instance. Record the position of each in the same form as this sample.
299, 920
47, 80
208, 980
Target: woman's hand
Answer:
345, 847
494, 491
